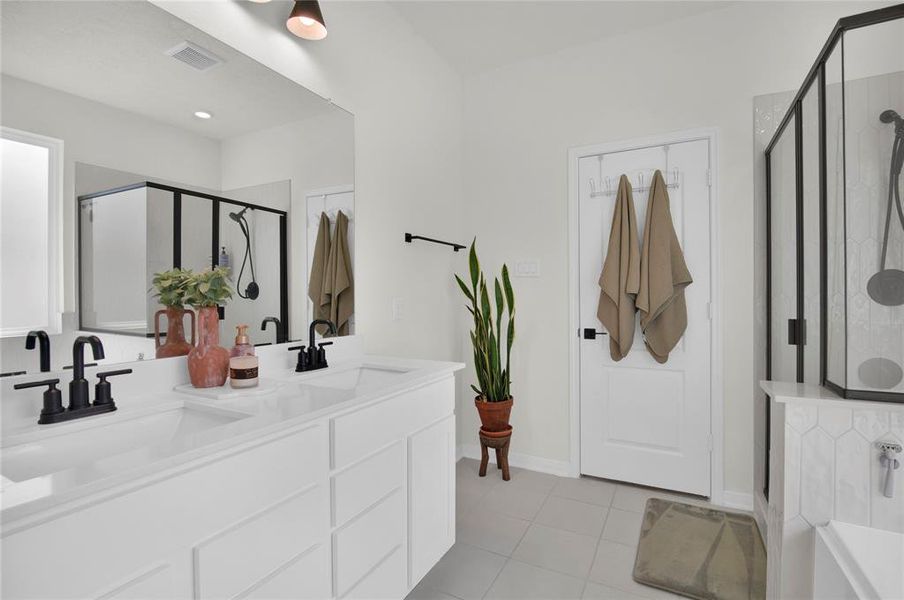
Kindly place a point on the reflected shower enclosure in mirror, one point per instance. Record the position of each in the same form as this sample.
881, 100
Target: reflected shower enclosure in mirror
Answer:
146, 185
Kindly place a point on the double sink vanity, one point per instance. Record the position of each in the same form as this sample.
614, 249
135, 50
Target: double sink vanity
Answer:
337, 483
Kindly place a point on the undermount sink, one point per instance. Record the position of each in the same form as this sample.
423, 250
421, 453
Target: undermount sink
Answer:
357, 378
60, 452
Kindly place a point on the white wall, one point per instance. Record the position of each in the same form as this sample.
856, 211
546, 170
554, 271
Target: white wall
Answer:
407, 107
519, 123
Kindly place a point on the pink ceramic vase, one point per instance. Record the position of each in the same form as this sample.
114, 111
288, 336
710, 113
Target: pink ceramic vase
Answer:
175, 344
208, 362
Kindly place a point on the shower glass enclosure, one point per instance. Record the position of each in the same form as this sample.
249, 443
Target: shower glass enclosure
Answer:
835, 220
129, 233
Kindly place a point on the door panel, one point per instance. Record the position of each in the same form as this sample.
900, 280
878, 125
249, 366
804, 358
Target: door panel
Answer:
644, 422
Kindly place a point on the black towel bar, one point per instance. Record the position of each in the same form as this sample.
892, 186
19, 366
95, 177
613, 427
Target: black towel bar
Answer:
456, 247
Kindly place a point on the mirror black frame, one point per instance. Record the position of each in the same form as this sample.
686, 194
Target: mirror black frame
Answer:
177, 242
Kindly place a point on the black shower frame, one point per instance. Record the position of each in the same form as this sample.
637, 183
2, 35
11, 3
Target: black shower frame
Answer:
177, 240
816, 76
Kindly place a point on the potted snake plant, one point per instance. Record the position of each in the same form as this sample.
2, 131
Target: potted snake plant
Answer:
491, 342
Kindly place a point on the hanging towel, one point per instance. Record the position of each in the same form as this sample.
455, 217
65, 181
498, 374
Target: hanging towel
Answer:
339, 281
620, 278
317, 291
663, 277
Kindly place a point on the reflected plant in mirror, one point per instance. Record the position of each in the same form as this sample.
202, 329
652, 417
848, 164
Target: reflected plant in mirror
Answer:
171, 287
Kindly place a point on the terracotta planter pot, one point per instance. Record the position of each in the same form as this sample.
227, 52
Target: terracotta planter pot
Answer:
175, 344
494, 416
208, 362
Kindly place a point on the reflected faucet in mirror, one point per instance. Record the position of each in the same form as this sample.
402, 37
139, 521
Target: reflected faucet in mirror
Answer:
280, 334
43, 347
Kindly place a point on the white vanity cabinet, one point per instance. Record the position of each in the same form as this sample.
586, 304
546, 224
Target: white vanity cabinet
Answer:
356, 504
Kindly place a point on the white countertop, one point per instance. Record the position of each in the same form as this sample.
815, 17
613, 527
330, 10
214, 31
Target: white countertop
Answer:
809, 393
293, 402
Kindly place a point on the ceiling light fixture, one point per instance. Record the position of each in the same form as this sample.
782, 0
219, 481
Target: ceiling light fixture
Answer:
306, 20
203, 114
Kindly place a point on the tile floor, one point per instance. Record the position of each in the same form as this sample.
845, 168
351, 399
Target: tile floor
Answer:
542, 537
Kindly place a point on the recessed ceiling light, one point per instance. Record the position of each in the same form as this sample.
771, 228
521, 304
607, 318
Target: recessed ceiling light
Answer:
261, 1
202, 114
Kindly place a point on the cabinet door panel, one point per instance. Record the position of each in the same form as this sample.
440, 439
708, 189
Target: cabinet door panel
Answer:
385, 582
431, 496
247, 551
360, 486
304, 578
367, 540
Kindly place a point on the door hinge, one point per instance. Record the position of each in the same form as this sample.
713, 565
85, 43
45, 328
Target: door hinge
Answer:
709, 443
709, 177
709, 311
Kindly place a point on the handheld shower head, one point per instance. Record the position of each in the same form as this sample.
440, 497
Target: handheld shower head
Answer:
237, 216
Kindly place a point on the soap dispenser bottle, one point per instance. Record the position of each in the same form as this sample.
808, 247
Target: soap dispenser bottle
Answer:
243, 345
243, 364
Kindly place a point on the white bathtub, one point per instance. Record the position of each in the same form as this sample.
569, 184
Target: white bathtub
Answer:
858, 563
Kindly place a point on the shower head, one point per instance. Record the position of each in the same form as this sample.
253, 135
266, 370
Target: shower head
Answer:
890, 116
237, 216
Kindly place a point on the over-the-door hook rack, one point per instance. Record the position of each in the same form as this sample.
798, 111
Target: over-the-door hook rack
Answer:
456, 247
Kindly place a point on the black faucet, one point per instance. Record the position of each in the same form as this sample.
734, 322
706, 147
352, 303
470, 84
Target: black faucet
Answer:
314, 357
79, 400
280, 336
78, 387
43, 347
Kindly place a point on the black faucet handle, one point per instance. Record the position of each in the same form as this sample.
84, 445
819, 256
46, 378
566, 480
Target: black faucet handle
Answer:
53, 398
103, 391
322, 344
103, 376
30, 384
293, 348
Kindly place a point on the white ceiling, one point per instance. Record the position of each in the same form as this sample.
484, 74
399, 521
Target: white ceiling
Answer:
475, 36
113, 52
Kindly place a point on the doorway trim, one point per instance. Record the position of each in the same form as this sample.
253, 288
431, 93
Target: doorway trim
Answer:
711, 135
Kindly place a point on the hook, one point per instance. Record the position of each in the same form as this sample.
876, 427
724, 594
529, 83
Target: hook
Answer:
592, 187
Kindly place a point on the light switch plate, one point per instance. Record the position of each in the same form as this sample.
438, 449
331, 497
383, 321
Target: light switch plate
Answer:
398, 308
527, 268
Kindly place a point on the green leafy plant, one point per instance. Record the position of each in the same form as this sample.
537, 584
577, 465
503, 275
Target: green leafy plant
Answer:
208, 288
493, 377
170, 287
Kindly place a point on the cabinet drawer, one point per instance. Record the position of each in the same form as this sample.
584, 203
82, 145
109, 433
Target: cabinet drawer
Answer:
357, 434
306, 577
248, 551
363, 543
386, 582
361, 485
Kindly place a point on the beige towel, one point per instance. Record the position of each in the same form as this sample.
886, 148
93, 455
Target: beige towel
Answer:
316, 283
339, 283
663, 277
620, 278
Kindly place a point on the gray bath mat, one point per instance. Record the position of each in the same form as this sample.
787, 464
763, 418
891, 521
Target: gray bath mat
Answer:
700, 553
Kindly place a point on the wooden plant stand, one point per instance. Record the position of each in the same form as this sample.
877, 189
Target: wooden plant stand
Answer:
499, 441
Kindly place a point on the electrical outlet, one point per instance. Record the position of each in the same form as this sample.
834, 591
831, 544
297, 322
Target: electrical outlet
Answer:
527, 268
398, 309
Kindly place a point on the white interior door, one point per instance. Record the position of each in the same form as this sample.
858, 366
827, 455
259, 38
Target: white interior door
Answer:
641, 421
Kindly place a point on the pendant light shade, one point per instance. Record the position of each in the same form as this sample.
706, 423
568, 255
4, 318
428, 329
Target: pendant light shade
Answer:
306, 20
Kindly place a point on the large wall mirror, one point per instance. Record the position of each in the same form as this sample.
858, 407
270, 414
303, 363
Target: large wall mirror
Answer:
176, 151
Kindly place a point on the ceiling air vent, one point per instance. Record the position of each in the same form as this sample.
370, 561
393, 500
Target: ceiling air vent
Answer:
194, 56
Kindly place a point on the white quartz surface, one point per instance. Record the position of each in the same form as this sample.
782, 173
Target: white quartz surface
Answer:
295, 400
809, 393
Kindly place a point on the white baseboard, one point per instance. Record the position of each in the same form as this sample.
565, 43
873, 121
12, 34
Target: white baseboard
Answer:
737, 500
561, 468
